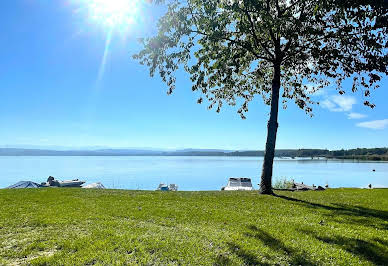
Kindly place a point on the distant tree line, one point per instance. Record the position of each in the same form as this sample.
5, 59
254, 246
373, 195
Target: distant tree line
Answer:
376, 154
359, 153
285, 153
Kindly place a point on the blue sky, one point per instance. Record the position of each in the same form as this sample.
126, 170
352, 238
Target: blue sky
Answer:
51, 93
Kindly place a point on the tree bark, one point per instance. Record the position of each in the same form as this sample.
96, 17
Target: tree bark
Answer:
266, 176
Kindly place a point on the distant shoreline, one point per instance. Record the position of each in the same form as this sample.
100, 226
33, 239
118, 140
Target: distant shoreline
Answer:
376, 154
354, 158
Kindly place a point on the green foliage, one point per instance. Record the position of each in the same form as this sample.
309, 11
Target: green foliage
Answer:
234, 50
283, 183
374, 154
54, 226
230, 48
363, 151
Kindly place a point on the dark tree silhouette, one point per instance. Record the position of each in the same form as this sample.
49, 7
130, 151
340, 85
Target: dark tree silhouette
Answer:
284, 49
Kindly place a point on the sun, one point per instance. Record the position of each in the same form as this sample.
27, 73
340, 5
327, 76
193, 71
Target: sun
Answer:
117, 18
114, 14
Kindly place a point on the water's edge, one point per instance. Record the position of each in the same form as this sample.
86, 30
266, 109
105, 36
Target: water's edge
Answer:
189, 172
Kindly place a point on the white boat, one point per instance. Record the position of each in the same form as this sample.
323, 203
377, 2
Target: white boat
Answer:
173, 187
52, 182
95, 185
71, 183
164, 187
239, 183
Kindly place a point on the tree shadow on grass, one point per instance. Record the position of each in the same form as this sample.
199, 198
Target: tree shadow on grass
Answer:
362, 211
358, 221
381, 241
295, 256
361, 248
355, 214
246, 256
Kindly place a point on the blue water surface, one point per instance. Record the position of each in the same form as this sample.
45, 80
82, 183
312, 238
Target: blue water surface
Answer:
190, 173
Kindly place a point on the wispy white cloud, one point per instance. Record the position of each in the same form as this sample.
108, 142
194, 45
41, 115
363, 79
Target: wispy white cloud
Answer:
375, 124
339, 103
328, 105
356, 116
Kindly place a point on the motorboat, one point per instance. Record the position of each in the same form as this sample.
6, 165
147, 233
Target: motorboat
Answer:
173, 187
52, 182
94, 185
170, 187
162, 187
25, 184
71, 183
238, 183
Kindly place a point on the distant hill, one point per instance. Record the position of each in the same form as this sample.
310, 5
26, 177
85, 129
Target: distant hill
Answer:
103, 152
360, 154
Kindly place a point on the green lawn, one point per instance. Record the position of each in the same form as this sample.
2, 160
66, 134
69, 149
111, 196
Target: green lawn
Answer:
79, 226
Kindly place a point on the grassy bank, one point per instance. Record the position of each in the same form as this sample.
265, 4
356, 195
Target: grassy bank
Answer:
74, 226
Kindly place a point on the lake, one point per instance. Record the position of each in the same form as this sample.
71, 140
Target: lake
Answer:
189, 172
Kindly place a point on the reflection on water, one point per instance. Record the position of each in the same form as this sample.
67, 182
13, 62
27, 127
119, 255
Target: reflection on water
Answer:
190, 173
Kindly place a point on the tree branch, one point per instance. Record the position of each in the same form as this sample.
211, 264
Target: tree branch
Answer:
246, 47
256, 39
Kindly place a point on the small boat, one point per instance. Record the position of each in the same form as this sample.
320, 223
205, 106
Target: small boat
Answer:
173, 187
25, 184
94, 185
71, 183
164, 187
239, 183
52, 182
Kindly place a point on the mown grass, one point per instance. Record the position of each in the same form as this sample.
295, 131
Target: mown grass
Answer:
79, 226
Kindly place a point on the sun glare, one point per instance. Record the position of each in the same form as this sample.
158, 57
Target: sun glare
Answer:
116, 17
118, 14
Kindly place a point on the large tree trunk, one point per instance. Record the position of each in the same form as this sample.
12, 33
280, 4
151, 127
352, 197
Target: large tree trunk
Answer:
266, 176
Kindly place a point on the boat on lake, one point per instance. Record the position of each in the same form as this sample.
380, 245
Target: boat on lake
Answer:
239, 183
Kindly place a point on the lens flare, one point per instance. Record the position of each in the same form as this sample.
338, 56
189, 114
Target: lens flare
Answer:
101, 70
113, 14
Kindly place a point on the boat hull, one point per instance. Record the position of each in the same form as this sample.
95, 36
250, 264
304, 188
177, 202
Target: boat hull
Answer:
71, 183
238, 188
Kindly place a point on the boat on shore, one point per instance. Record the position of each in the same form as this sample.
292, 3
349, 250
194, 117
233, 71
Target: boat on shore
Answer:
170, 187
173, 187
96, 185
71, 183
25, 184
238, 183
52, 182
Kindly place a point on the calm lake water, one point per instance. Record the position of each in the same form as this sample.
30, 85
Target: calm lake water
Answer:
190, 173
